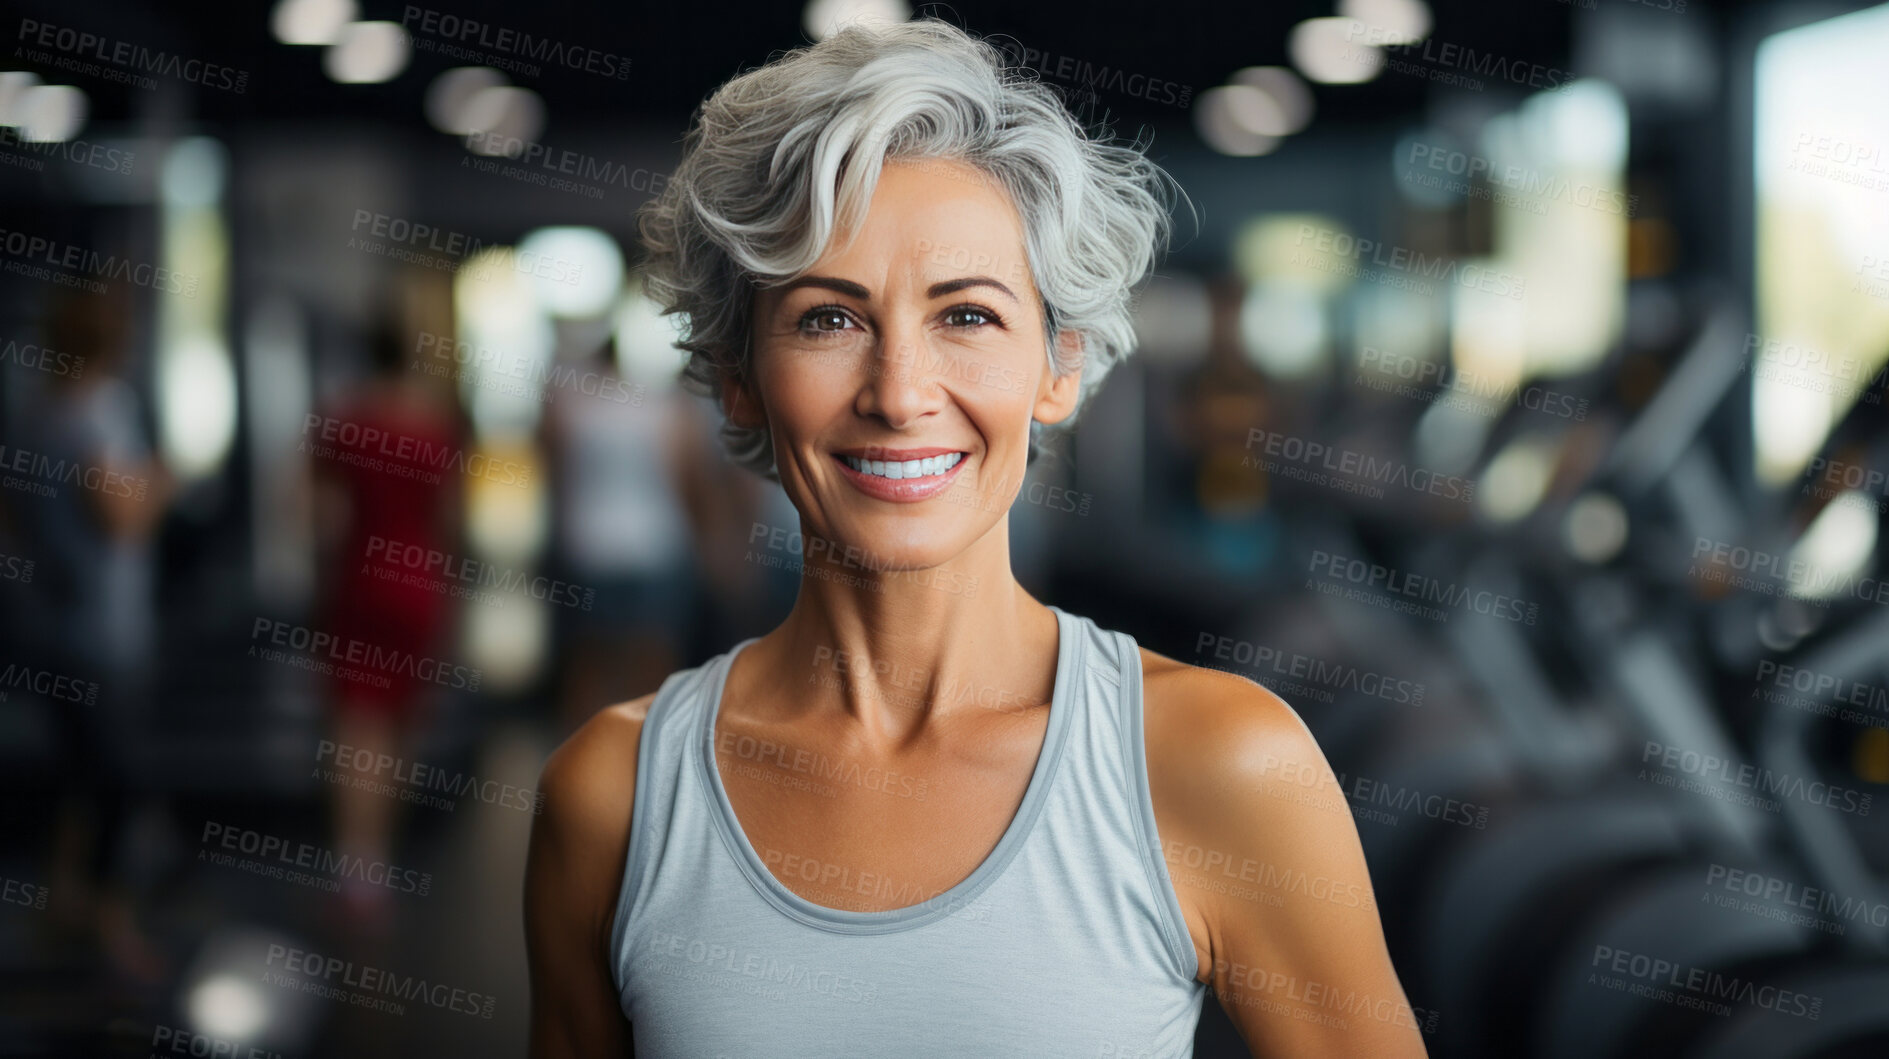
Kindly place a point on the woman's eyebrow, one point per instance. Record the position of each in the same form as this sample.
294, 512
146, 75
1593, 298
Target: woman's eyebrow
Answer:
842, 286
952, 286
936, 290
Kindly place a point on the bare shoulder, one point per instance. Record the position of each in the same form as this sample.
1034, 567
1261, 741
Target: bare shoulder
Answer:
582, 837
1220, 728
589, 780
573, 875
1232, 766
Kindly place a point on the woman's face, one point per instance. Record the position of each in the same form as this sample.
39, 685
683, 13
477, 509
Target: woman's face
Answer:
899, 376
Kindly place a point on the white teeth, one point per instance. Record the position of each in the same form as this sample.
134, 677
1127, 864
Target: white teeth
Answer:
928, 467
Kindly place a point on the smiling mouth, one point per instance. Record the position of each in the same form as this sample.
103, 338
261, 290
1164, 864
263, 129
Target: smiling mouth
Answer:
901, 470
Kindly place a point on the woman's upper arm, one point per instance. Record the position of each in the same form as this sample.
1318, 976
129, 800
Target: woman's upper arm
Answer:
573, 874
1299, 961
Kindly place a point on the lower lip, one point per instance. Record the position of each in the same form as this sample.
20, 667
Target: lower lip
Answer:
901, 490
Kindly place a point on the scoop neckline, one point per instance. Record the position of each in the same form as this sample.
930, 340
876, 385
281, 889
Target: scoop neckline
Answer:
850, 921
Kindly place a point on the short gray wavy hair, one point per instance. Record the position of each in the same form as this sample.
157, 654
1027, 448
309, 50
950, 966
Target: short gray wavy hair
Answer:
782, 156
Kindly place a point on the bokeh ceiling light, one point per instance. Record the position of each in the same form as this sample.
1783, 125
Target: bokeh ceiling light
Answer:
1334, 51
367, 53
311, 21
51, 113
577, 271
1836, 548
449, 98
1290, 97
1391, 21
14, 84
194, 172
1283, 329
1226, 118
509, 116
823, 18
645, 341
1517, 479
1595, 527
228, 1007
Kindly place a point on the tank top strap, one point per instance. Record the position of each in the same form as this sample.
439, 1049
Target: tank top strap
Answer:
662, 755
1109, 767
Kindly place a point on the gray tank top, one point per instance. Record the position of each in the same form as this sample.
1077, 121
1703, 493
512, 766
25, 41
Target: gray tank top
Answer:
1068, 940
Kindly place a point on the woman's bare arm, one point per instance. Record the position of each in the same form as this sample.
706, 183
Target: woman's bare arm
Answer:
573, 874
1261, 844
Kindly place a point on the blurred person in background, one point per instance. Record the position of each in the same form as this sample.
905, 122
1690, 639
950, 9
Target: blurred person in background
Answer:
623, 536
374, 503
899, 266
90, 608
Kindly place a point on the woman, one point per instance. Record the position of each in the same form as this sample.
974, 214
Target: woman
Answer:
928, 814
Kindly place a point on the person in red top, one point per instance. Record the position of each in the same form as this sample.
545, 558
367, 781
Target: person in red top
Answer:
372, 497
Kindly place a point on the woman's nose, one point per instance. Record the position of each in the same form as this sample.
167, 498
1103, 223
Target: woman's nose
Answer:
900, 386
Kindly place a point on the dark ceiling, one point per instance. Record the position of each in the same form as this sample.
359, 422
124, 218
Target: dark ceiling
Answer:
680, 51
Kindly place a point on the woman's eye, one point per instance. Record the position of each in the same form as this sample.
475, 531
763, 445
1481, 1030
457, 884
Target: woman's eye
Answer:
968, 316
824, 320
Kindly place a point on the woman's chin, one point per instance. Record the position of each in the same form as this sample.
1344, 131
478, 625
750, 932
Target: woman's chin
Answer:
886, 547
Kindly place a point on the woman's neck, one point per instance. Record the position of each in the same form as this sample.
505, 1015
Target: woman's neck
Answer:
896, 650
